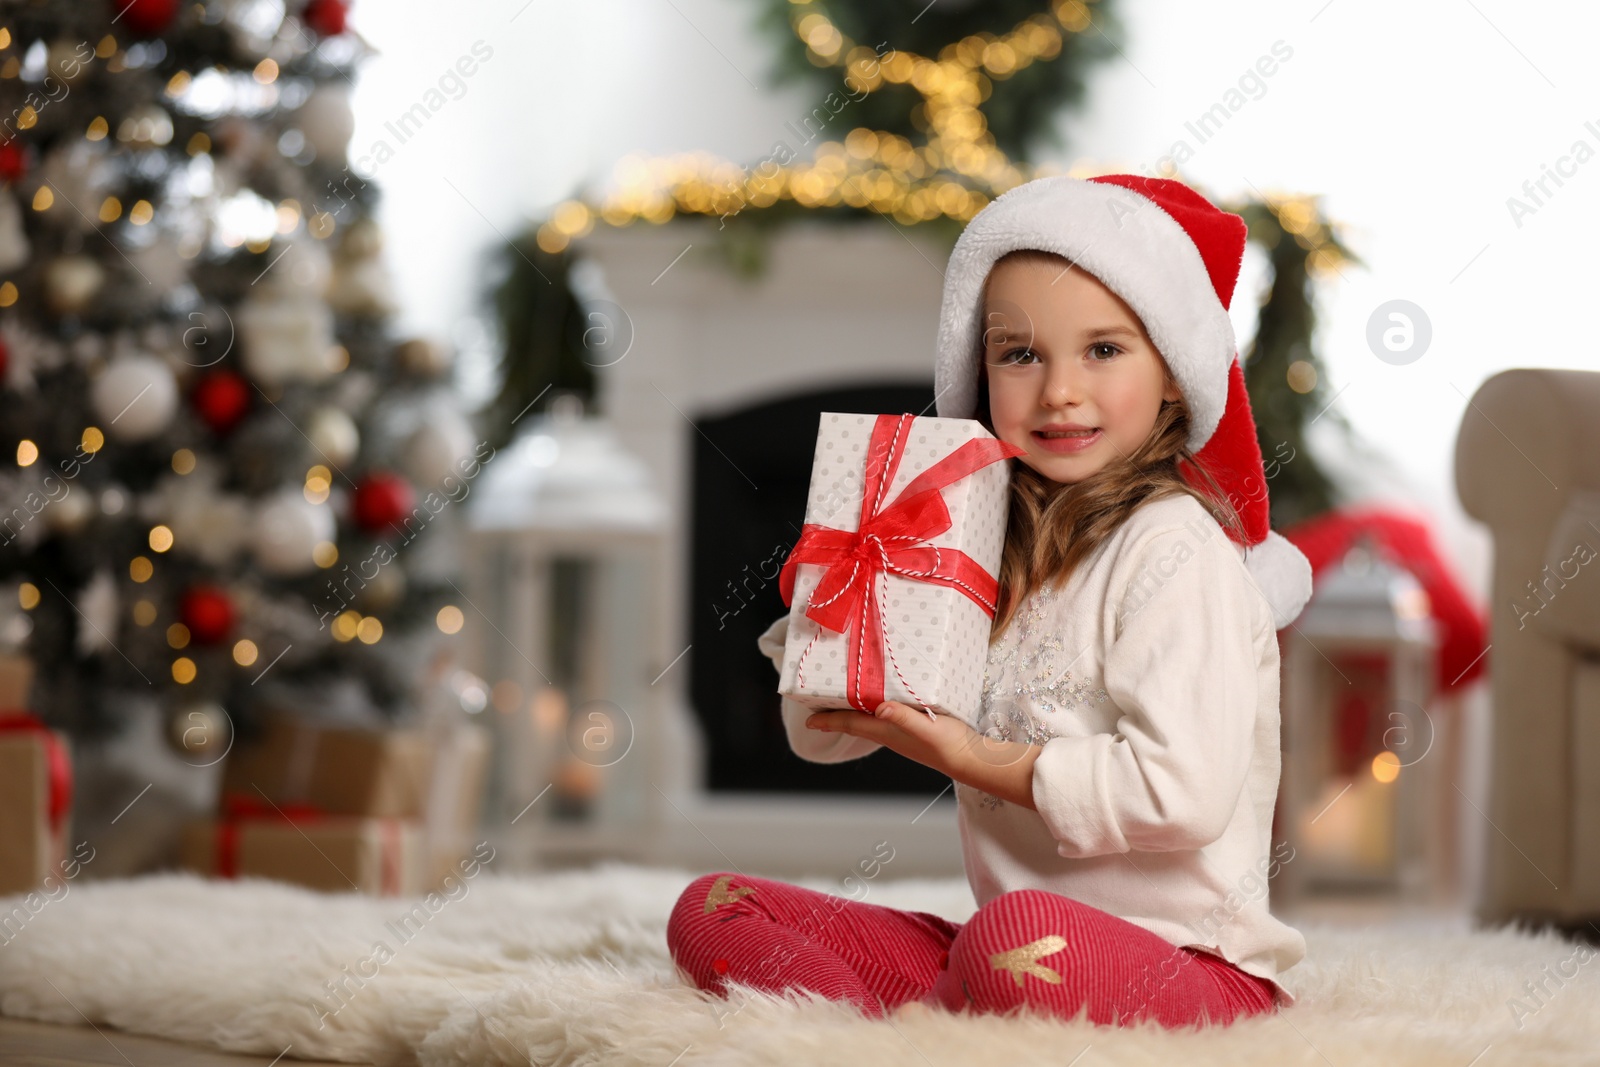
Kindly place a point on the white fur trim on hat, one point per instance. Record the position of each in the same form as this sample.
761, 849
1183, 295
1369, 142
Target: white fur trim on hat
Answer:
1132, 246
1283, 574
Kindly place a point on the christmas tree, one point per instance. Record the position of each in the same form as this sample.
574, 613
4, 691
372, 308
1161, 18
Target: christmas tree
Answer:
231, 484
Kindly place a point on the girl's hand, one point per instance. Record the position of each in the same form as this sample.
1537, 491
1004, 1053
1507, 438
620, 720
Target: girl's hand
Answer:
1001, 768
942, 742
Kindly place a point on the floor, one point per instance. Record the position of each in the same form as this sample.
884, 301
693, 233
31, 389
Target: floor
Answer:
46, 1045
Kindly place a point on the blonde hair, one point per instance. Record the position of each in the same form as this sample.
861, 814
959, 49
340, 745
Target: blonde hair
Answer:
1053, 526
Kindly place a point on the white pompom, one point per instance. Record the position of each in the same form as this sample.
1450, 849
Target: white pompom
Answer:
1283, 574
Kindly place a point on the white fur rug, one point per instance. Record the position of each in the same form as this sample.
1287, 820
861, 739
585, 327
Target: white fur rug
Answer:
572, 968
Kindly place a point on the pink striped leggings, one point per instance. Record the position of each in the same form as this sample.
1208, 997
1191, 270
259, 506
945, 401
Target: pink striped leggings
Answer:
1027, 950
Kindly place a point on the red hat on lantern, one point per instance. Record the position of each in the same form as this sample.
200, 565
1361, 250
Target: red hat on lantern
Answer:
1174, 259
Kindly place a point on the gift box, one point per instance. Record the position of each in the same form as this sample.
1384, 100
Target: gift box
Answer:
455, 796
16, 681
35, 801
891, 587
340, 770
334, 853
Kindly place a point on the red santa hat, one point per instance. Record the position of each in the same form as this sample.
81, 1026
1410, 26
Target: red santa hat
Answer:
1174, 258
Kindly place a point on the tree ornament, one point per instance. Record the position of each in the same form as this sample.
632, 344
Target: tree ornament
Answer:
148, 17
71, 283
326, 17
361, 284
69, 514
13, 160
381, 500
145, 126
383, 590
286, 337
287, 531
135, 397
333, 435
327, 122
434, 449
221, 398
200, 731
207, 523
207, 611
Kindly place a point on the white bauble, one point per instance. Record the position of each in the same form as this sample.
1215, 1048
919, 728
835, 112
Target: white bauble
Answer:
135, 397
146, 126
434, 449
72, 282
286, 338
327, 121
334, 435
69, 514
287, 528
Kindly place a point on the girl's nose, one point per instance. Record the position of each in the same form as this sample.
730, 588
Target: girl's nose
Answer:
1062, 385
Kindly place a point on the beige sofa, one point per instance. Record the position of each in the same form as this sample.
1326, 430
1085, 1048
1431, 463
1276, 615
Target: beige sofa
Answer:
1527, 464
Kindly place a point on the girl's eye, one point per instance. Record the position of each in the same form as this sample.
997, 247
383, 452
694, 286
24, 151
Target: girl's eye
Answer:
1105, 344
1006, 357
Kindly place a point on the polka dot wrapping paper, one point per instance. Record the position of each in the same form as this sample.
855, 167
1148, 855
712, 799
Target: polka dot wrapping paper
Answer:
898, 607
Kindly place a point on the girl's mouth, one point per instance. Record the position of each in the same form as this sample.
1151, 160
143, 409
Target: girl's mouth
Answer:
1075, 441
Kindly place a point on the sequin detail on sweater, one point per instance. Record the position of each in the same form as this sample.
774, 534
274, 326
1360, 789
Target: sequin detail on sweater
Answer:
1024, 670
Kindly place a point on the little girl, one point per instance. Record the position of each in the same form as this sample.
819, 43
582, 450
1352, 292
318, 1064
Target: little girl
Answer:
1115, 806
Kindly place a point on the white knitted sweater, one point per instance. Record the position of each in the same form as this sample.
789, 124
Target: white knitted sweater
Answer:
1151, 681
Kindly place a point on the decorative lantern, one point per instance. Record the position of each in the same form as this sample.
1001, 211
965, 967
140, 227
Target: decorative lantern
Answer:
1358, 798
564, 558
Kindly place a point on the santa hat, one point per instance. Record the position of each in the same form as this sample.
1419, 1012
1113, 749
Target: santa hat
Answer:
1174, 258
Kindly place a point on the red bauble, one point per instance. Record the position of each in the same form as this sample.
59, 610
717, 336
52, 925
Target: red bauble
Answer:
326, 16
381, 501
207, 612
221, 398
148, 17
13, 161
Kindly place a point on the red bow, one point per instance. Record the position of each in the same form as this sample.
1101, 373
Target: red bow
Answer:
890, 538
56, 761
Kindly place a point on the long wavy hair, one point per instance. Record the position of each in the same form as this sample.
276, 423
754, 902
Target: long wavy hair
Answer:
1053, 526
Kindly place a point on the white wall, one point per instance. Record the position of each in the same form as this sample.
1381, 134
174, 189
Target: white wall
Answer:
1416, 121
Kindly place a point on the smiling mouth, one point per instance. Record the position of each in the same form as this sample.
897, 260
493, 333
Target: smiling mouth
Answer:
1067, 442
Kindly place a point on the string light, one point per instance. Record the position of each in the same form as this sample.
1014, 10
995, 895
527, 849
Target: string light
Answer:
954, 175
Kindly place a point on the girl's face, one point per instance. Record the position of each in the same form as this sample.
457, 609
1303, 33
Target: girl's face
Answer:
1063, 352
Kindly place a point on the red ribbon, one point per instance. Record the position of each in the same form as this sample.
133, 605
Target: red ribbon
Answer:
58, 766
890, 538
